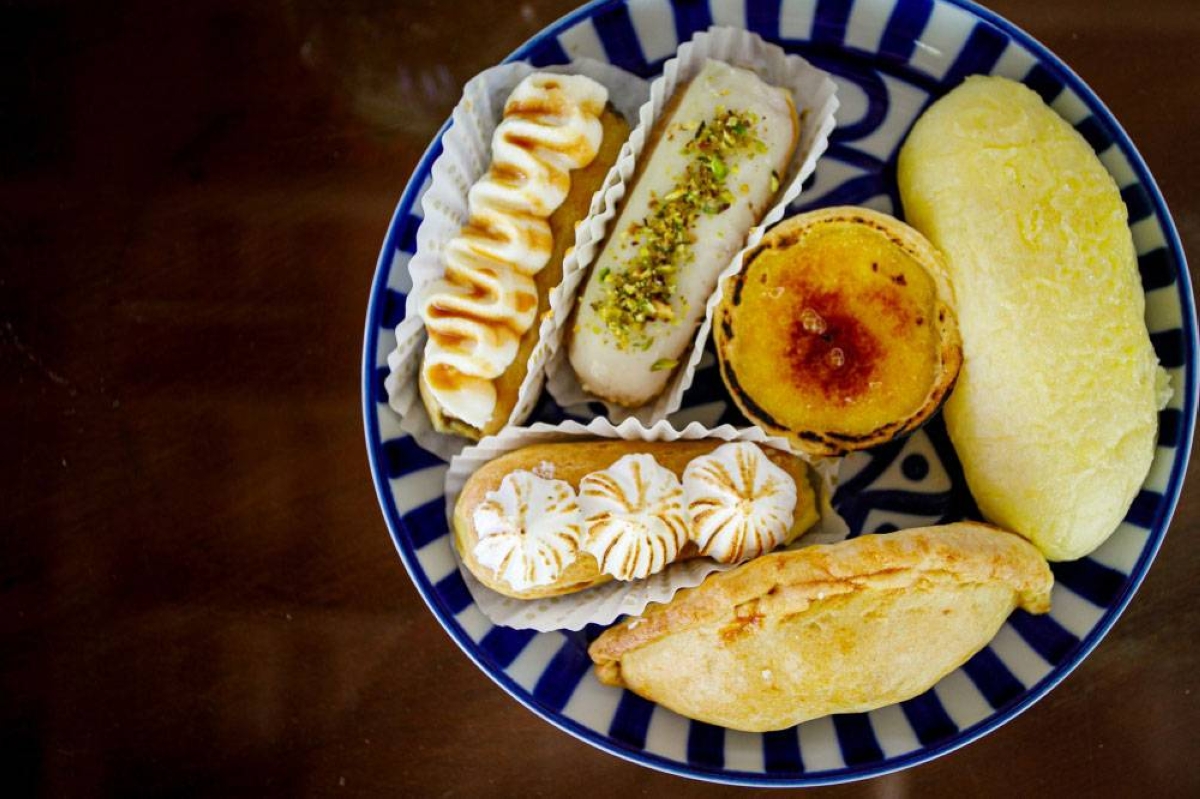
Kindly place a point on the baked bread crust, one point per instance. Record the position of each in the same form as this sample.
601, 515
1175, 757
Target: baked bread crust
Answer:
826, 629
571, 461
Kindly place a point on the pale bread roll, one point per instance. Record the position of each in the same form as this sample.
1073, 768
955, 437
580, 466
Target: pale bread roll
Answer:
1055, 412
842, 628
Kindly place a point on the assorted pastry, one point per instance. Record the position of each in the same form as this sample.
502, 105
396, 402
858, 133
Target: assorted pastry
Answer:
1055, 417
552, 519
839, 628
1014, 298
710, 170
839, 331
550, 153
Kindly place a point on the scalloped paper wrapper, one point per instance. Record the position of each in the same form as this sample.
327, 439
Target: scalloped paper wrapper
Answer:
814, 94
605, 603
466, 155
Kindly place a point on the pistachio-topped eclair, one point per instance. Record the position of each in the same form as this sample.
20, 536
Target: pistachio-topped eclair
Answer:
713, 164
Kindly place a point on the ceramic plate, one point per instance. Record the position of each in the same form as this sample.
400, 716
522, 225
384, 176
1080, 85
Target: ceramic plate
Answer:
890, 58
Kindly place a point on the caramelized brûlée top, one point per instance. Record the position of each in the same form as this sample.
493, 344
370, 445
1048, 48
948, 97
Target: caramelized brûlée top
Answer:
834, 328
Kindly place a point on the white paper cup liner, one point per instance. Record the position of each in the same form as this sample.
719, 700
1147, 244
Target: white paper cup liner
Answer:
604, 603
814, 94
466, 155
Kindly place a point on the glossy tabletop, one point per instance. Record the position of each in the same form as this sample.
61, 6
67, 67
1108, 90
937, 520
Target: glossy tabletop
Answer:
198, 594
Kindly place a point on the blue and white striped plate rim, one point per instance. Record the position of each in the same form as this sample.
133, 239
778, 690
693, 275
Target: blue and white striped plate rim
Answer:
890, 59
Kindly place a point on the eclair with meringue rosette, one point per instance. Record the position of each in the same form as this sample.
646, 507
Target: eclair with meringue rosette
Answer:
552, 519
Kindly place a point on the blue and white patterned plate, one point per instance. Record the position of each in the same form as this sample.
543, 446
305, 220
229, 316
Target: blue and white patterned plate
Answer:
891, 58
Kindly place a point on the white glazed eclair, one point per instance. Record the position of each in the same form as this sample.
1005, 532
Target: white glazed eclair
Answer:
712, 166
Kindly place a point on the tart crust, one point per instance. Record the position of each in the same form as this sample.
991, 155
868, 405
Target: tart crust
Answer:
839, 331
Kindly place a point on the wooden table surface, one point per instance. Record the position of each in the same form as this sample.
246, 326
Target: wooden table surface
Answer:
198, 594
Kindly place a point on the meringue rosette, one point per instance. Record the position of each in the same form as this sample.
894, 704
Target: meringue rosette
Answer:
741, 505
529, 530
634, 517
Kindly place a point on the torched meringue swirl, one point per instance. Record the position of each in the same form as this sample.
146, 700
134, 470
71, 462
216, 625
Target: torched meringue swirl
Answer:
529, 530
634, 517
741, 504
478, 313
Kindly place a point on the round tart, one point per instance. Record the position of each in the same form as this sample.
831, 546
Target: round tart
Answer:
839, 331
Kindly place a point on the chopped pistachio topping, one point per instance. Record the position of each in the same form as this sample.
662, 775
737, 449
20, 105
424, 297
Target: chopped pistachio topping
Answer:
663, 364
641, 292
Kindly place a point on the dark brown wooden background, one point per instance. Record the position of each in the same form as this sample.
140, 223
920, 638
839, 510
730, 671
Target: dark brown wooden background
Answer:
197, 591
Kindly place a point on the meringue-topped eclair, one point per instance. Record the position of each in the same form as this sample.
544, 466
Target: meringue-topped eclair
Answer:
553, 519
550, 153
711, 167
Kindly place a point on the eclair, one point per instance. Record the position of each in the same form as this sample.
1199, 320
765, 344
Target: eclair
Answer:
551, 519
711, 167
550, 153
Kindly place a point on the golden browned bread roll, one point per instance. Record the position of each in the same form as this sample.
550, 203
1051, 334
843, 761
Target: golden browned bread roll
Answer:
842, 628
839, 331
550, 154
551, 519
1055, 414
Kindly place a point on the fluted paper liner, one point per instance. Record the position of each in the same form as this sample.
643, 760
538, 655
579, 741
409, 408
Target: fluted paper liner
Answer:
466, 155
604, 603
814, 94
